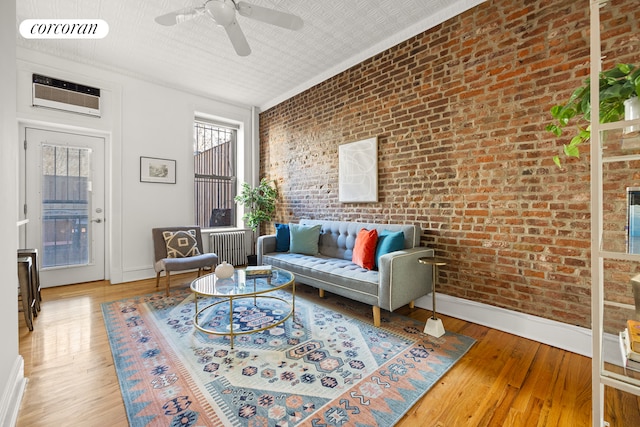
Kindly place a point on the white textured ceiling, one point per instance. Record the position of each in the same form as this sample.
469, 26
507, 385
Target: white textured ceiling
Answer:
197, 56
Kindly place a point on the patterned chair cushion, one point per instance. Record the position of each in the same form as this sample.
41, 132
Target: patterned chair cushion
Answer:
181, 244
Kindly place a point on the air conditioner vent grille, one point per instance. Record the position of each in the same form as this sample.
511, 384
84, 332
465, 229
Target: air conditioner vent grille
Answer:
67, 96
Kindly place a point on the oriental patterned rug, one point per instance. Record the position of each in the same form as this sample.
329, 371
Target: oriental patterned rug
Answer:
328, 366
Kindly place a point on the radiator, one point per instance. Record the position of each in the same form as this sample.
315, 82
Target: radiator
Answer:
229, 246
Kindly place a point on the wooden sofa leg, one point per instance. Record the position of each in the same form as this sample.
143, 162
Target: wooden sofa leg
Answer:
412, 304
376, 316
321, 293
168, 282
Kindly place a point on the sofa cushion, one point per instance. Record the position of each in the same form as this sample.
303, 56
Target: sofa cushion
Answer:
304, 239
282, 237
364, 251
388, 241
181, 244
317, 269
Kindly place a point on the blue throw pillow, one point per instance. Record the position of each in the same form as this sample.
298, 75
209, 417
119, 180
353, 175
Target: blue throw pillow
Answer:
282, 238
389, 241
304, 239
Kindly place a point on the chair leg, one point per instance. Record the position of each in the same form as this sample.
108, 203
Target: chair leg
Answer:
321, 293
199, 272
157, 279
168, 282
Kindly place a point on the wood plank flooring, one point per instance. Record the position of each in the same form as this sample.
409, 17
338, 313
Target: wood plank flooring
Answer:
503, 380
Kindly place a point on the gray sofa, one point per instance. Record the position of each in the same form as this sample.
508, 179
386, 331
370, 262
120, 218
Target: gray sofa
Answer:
399, 280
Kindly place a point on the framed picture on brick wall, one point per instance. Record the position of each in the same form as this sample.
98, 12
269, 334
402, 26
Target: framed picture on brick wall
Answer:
358, 171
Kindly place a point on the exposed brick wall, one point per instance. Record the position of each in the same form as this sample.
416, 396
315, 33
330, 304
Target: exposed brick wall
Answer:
460, 112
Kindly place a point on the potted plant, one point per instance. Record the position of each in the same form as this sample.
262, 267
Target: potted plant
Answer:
617, 86
259, 206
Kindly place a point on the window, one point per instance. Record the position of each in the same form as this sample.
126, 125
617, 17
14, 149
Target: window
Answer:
214, 155
66, 172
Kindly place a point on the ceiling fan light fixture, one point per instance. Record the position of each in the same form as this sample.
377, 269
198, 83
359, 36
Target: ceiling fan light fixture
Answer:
223, 12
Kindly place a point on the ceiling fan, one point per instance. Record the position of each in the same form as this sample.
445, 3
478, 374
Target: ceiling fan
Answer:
223, 12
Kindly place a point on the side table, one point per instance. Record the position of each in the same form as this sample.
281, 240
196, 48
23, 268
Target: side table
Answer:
434, 325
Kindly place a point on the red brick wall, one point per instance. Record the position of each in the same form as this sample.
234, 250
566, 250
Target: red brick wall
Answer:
460, 112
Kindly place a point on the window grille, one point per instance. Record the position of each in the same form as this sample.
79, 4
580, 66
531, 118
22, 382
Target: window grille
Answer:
214, 174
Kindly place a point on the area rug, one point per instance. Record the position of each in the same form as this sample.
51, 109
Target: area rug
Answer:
326, 366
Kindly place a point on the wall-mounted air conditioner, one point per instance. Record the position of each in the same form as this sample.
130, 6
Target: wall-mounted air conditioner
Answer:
67, 96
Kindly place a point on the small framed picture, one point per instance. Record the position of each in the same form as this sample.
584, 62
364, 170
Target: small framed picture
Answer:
157, 170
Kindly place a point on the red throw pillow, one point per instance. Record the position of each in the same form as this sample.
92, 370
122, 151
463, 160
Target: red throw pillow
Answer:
364, 252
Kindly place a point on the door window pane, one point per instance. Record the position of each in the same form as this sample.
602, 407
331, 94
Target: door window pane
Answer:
65, 205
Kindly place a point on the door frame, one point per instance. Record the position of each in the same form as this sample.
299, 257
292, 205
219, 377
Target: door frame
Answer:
52, 127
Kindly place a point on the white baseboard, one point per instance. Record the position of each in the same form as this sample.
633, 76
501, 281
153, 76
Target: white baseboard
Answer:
557, 334
147, 273
12, 395
136, 273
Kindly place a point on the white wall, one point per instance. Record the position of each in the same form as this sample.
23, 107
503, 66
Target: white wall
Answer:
11, 363
140, 118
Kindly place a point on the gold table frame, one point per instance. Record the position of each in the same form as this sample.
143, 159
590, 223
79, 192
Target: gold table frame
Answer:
239, 287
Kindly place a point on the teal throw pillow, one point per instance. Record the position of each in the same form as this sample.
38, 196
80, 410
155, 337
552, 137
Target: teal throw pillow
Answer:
389, 241
282, 238
304, 239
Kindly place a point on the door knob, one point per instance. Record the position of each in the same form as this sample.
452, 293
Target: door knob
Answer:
98, 220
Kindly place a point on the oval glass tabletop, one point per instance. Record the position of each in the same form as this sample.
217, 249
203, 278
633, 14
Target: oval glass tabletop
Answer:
241, 284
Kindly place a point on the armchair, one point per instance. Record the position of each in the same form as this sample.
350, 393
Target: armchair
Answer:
179, 249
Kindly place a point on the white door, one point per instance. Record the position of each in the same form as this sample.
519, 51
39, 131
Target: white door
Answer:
64, 185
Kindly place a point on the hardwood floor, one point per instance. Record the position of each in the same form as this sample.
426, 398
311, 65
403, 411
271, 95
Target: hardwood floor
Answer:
503, 380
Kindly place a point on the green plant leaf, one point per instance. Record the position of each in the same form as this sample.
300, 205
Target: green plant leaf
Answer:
636, 81
584, 103
620, 70
572, 150
555, 111
625, 68
556, 160
556, 130
578, 94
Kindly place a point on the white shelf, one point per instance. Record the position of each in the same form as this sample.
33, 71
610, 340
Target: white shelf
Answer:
609, 144
618, 125
619, 255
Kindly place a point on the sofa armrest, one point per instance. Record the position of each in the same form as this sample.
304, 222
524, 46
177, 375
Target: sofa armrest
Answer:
402, 278
266, 244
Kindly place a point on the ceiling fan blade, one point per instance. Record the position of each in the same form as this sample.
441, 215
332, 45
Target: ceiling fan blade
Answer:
270, 16
178, 16
238, 40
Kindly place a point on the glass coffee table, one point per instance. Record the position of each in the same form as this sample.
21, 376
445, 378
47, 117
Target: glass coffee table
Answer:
242, 287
